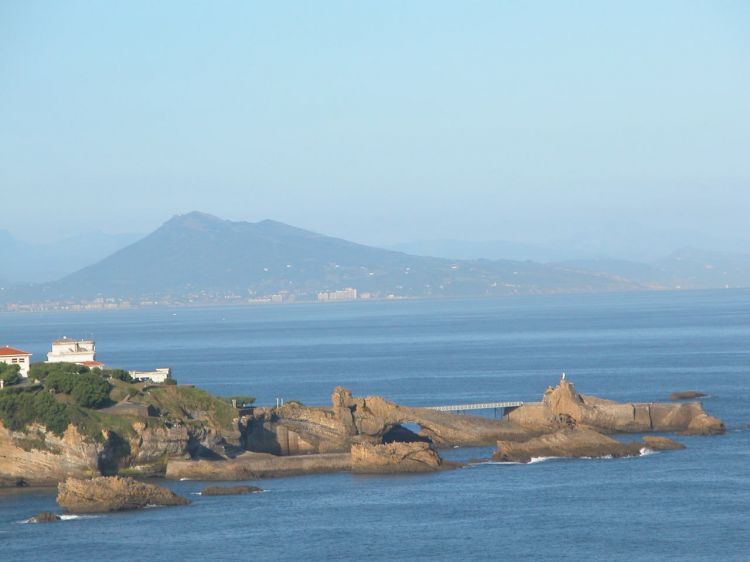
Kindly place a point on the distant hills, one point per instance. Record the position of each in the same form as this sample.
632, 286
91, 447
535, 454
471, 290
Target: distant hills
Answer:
199, 258
39, 263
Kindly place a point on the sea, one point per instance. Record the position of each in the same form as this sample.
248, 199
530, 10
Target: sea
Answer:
692, 504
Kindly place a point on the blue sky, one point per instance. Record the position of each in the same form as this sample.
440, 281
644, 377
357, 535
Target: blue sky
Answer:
377, 121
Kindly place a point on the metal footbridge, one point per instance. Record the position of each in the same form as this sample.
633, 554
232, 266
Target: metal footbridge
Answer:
506, 407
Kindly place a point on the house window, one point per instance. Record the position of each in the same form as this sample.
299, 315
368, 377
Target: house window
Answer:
14, 360
21, 360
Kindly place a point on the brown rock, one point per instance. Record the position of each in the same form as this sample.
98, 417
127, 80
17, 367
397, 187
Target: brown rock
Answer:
686, 395
45, 517
565, 443
395, 458
251, 466
703, 424
563, 406
112, 493
294, 429
229, 490
38, 457
658, 443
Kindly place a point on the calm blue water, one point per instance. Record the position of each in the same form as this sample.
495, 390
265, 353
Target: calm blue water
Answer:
682, 505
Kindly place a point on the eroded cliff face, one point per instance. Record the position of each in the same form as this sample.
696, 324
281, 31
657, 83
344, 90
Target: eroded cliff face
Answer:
36, 456
39, 457
564, 406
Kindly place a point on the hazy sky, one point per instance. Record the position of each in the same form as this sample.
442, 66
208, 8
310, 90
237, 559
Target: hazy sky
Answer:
377, 121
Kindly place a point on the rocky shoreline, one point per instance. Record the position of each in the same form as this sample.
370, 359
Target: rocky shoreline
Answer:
360, 435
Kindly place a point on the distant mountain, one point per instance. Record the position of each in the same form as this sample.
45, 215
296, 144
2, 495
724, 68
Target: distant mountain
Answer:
486, 249
199, 256
688, 268
38, 263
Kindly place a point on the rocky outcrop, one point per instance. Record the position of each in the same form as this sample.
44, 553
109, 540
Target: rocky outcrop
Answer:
658, 443
564, 406
112, 493
686, 395
295, 429
577, 443
45, 517
38, 457
390, 458
564, 443
230, 490
252, 466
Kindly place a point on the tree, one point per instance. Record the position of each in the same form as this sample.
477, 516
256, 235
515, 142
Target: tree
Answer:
41, 371
91, 391
10, 374
87, 389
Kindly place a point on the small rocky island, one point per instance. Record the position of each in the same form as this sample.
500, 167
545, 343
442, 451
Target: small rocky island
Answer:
183, 432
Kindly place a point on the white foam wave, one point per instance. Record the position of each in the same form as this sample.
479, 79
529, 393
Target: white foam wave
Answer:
183, 479
541, 459
646, 451
64, 517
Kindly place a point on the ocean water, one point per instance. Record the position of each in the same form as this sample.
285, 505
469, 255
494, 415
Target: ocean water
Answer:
679, 505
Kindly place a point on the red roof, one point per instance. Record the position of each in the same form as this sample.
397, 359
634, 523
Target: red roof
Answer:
91, 363
12, 351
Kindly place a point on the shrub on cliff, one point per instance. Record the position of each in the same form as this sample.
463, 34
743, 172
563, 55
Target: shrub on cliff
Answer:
10, 374
88, 389
41, 371
19, 409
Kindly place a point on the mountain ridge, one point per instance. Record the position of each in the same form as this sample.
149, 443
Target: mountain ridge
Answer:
201, 256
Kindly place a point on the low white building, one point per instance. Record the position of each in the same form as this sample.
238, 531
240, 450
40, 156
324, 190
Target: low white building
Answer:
13, 356
157, 375
66, 350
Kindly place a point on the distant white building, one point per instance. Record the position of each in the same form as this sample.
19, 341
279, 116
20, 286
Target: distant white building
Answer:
157, 375
67, 350
13, 356
348, 294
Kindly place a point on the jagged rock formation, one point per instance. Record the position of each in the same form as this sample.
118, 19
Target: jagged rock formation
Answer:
294, 429
229, 490
252, 466
112, 493
562, 406
390, 458
575, 442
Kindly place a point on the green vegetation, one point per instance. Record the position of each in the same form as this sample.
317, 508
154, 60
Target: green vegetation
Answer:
72, 394
87, 389
10, 374
114, 374
19, 409
41, 371
242, 400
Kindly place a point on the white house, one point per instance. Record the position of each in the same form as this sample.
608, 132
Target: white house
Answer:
13, 356
67, 350
157, 375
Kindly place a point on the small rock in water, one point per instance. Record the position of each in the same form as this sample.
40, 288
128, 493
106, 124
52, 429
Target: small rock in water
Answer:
45, 517
229, 490
686, 395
